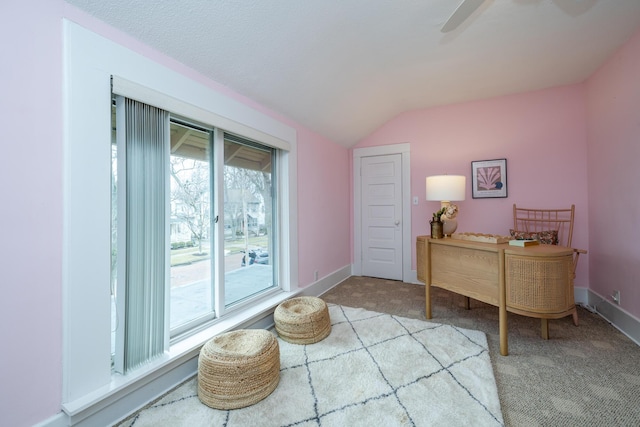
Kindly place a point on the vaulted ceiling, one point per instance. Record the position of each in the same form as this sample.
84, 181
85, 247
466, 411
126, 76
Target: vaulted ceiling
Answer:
344, 67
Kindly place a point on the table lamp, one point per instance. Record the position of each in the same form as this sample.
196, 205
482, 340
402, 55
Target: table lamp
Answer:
445, 189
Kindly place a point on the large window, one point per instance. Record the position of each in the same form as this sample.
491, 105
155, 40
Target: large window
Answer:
95, 69
174, 274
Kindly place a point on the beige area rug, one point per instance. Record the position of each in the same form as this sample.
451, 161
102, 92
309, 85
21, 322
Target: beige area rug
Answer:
373, 369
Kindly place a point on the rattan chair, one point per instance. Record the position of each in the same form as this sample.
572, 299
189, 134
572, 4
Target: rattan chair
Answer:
549, 226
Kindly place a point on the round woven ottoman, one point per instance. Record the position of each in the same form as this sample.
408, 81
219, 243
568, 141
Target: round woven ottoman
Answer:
238, 368
302, 320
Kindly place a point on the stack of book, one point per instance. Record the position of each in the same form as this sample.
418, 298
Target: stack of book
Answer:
523, 243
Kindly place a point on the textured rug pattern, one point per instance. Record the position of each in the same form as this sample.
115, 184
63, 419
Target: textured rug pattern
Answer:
582, 376
373, 369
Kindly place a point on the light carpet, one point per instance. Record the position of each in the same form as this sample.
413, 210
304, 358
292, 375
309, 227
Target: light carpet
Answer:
373, 369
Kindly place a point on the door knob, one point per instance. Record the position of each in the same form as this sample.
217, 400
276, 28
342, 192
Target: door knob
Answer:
397, 222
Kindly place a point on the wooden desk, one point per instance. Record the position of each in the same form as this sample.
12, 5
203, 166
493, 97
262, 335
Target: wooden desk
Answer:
535, 281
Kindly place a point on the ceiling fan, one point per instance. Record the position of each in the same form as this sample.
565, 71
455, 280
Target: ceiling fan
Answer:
464, 10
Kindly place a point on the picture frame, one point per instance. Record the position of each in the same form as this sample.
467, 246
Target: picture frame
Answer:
489, 178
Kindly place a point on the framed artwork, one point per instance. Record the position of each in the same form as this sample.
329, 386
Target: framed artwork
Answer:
489, 178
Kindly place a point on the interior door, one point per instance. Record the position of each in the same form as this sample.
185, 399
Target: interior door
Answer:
381, 189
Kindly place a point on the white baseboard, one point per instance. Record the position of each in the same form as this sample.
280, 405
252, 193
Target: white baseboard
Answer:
330, 281
622, 320
413, 278
58, 420
581, 295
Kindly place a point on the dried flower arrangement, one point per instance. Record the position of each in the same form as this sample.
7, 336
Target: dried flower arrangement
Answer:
450, 211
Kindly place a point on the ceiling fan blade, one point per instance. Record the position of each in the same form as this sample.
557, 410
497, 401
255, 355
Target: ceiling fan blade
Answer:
464, 10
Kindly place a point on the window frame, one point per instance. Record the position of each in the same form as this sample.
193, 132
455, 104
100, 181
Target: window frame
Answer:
89, 62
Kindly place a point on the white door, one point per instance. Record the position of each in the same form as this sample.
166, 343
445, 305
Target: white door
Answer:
381, 190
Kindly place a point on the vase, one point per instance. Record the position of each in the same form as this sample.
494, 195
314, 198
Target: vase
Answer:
436, 230
449, 226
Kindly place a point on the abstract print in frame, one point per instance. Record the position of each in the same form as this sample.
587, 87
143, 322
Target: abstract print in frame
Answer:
489, 178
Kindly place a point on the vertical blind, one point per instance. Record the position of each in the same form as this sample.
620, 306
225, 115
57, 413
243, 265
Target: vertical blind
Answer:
147, 162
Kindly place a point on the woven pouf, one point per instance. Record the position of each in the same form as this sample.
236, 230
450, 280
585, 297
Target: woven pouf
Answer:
302, 320
238, 368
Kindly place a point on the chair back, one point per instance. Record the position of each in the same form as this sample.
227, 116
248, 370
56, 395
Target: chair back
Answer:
540, 221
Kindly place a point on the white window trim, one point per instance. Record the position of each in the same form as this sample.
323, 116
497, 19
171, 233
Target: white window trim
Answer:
132, 90
89, 62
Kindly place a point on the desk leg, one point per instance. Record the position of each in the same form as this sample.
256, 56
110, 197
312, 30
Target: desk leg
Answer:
427, 275
504, 338
544, 329
502, 308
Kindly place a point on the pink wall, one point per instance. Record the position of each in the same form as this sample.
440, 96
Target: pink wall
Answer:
31, 214
542, 136
323, 198
613, 105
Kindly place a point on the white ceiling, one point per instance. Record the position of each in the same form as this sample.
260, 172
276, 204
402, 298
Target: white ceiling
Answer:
345, 67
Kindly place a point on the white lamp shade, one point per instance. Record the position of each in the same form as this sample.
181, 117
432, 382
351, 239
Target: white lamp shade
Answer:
446, 187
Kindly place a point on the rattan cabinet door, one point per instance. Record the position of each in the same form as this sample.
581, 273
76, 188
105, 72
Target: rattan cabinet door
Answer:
539, 286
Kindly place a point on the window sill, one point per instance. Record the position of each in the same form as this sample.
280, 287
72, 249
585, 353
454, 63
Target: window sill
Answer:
179, 353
